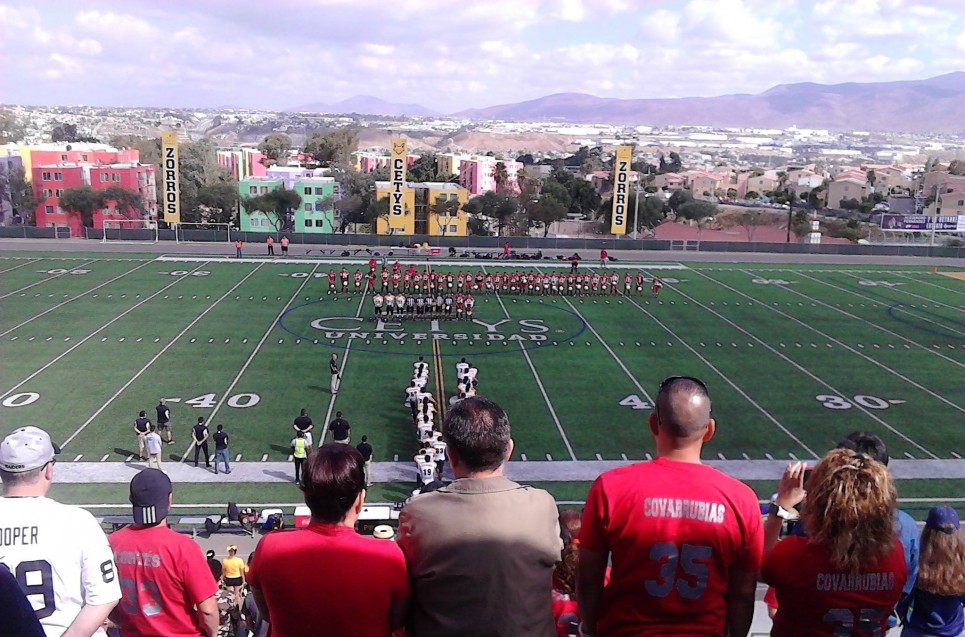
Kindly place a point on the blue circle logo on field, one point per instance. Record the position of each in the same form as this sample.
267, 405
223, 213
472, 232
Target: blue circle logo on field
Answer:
368, 334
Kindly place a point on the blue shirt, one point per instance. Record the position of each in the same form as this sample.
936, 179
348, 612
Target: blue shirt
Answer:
938, 615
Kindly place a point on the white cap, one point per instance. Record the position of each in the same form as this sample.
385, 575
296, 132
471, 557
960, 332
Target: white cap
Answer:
26, 449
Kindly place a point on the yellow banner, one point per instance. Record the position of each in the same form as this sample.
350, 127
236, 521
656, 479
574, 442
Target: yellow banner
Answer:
621, 190
397, 188
170, 177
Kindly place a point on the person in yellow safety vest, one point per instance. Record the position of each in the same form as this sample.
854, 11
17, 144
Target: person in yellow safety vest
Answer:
299, 447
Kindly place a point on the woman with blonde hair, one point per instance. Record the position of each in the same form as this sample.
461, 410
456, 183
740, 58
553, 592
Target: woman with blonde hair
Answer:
845, 574
939, 594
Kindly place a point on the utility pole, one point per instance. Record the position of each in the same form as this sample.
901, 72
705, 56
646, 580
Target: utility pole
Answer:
790, 213
636, 206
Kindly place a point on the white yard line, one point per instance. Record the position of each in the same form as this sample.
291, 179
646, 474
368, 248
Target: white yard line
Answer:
341, 370
96, 332
607, 346
251, 357
19, 266
805, 371
725, 378
72, 299
836, 341
908, 292
155, 358
539, 383
931, 284
873, 325
48, 279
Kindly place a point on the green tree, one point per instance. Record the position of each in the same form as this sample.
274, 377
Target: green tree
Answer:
68, 133
545, 212
83, 201
19, 193
801, 225
816, 199
11, 128
445, 209
679, 198
276, 146
333, 147
218, 202
377, 209
956, 167
696, 210
732, 193
424, 169
849, 204
276, 205
752, 195
558, 191
649, 214
501, 177
502, 208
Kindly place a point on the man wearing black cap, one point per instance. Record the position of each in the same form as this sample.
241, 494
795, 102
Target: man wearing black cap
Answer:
57, 552
168, 586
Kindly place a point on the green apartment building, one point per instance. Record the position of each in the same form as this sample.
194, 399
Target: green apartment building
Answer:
315, 214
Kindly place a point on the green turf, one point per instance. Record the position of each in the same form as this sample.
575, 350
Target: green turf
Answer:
887, 343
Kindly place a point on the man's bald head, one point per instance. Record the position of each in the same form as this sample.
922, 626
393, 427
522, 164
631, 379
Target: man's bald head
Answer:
683, 408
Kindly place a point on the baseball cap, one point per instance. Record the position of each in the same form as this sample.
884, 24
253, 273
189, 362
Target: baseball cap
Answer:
943, 518
25, 449
150, 489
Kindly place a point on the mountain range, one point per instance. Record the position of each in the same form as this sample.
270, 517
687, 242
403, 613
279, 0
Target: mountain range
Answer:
932, 105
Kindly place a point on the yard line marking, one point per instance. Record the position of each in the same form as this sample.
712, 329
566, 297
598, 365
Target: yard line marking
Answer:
251, 357
71, 300
154, 360
874, 325
917, 296
51, 278
20, 266
264, 457
842, 344
96, 332
609, 349
79, 456
930, 284
106, 456
539, 383
726, 379
807, 372
345, 352
238, 458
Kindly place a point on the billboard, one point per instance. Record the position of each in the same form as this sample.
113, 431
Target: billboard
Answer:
922, 223
397, 188
170, 180
621, 190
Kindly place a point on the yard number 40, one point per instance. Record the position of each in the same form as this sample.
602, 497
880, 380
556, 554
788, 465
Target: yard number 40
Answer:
635, 402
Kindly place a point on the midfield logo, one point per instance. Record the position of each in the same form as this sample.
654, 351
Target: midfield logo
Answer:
475, 330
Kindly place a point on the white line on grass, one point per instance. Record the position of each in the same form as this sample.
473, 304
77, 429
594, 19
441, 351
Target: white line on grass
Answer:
341, 370
155, 358
834, 340
725, 378
805, 371
908, 292
930, 284
50, 278
539, 383
72, 299
19, 266
96, 332
875, 326
251, 357
607, 346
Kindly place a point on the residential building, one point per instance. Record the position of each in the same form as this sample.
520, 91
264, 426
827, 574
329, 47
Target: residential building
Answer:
845, 187
704, 186
51, 180
9, 162
420, 199
934, 181
241, 162
477, 174
448, 163
78, 153
316, 214
760, 184
669, 181
950, 202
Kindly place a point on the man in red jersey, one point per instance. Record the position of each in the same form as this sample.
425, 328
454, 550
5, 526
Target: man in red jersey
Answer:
166, 586
686, 539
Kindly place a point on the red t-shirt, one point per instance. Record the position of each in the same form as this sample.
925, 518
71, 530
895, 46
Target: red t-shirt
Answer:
816, 600
327, 580
163, 576
674, 530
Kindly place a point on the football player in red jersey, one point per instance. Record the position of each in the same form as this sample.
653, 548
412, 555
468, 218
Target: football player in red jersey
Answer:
331, 282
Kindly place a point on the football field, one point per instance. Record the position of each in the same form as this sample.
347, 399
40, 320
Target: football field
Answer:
795, 356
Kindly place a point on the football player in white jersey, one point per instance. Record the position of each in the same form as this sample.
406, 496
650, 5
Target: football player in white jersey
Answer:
58, 553
377, 304
427, 470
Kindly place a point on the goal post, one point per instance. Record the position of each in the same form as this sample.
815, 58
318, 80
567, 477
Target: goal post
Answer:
221, 230
127, 230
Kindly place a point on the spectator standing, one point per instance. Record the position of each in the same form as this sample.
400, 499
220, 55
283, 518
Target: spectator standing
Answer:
284, 246
142, 427
270, 242
221, 449
299, 449
365, 449
168, 587
153, 443
233, 570
685, 539
164, 420
58, 552
335, 372
482, 542
939, 594
341, 431
238, 245
345, 584
846, 573
303, 423
603, 257
199, 434
17, 617
214, 564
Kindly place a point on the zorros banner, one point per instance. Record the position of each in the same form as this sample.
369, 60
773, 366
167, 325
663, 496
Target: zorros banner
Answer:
397, 187
170, 180
621, 190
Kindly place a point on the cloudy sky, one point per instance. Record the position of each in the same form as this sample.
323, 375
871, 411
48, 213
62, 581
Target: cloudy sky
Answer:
450, 55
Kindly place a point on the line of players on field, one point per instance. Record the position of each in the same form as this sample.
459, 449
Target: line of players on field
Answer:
431, 284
